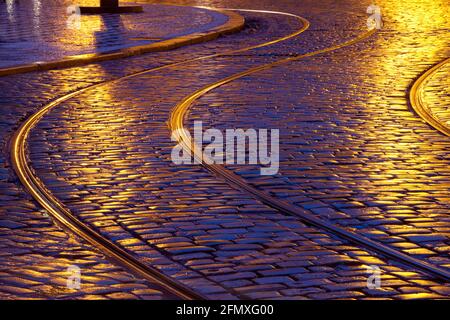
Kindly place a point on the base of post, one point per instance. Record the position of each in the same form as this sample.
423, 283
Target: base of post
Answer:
124, 9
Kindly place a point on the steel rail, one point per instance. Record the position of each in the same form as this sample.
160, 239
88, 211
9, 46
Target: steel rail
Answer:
417, 102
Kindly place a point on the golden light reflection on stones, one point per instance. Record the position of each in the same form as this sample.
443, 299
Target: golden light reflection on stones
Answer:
403, 165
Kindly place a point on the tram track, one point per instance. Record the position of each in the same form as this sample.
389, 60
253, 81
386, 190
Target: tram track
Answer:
64, 217
176, 123
67, 219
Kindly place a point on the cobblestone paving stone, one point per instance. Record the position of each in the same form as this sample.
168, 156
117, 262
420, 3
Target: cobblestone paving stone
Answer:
351, 151
37, 31
437, 95
106, 154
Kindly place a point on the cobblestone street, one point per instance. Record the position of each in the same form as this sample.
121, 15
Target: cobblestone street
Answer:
353, 153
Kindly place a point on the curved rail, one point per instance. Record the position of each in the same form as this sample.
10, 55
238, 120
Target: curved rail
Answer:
416, 98
176, 123
66, 218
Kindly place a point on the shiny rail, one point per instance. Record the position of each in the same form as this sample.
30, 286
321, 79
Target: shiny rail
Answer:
419, 105
67, 219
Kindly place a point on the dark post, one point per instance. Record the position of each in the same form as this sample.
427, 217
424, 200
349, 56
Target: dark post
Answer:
110, 6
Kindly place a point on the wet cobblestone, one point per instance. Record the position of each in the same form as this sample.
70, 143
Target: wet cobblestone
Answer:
35, 256
106, 154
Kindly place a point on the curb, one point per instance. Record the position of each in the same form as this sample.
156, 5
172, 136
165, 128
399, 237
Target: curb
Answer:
417, 103
235, 23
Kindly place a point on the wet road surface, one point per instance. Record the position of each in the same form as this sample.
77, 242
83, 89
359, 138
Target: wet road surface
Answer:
351, 152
